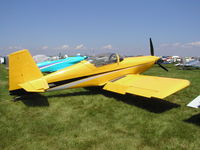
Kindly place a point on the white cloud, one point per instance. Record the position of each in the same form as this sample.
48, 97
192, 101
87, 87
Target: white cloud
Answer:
176, 44
179, 49
63, 47
197, 43
164, 45
171, 44
44, 47
81, 46
14, 47
109, 46
181, 45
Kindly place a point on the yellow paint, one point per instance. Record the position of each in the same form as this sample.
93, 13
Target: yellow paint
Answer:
85, 68
147, 86
120, 77
22, 68
101, 80
38, 85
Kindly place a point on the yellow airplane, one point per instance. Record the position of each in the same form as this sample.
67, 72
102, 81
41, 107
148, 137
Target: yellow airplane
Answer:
112, 72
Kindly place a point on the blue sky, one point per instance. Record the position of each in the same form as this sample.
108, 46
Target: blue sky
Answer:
96, 26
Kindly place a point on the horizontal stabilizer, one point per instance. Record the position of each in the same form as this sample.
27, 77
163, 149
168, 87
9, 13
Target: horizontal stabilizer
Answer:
38, 85
146, 86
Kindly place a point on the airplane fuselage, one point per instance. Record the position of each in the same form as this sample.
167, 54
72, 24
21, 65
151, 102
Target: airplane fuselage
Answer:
86, 74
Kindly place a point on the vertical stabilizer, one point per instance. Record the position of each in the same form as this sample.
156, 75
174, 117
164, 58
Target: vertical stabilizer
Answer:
22, 68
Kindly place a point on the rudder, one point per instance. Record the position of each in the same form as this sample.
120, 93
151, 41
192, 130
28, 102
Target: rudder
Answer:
22, 68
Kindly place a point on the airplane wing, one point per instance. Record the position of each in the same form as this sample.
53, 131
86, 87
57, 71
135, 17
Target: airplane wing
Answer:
146, 86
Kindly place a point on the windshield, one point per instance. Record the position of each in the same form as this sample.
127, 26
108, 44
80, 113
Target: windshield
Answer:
104, 59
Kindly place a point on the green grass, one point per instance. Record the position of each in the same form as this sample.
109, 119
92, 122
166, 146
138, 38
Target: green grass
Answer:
91, 118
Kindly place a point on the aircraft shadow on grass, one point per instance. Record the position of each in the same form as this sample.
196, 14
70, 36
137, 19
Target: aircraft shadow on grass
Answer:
195, 119
34, 100
152, 105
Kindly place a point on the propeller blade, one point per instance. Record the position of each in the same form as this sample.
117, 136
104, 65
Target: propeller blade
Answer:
151, 47
152, 54
163, 67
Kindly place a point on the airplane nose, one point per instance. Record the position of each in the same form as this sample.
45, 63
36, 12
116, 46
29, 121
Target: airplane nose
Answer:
159, 61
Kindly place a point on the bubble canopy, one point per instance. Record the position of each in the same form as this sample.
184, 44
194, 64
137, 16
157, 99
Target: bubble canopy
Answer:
104, 59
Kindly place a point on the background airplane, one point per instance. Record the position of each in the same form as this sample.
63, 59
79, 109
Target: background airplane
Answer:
193, 64
195, 103
111, 72
51, 66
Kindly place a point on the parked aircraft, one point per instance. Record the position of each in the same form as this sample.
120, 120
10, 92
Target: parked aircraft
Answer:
195, 103
111, 72
193, 64
52, 66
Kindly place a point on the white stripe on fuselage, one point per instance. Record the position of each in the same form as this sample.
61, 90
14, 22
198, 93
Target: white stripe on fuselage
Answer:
69, 85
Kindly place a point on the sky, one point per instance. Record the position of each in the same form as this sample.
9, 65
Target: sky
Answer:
90, 27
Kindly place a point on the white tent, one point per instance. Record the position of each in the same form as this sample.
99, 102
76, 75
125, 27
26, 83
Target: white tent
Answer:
40, 58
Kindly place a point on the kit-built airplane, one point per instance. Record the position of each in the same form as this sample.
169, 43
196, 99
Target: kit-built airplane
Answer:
114, 73
52, 66
194, 64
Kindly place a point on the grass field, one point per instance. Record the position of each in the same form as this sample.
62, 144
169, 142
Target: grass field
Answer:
91, 118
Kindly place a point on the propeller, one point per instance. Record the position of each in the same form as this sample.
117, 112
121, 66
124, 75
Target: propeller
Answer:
151, 47
163, 67
152, 54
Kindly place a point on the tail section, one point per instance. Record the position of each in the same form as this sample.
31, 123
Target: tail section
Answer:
24, 73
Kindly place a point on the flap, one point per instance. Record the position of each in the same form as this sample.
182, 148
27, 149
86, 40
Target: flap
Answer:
147, 86
39, 85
